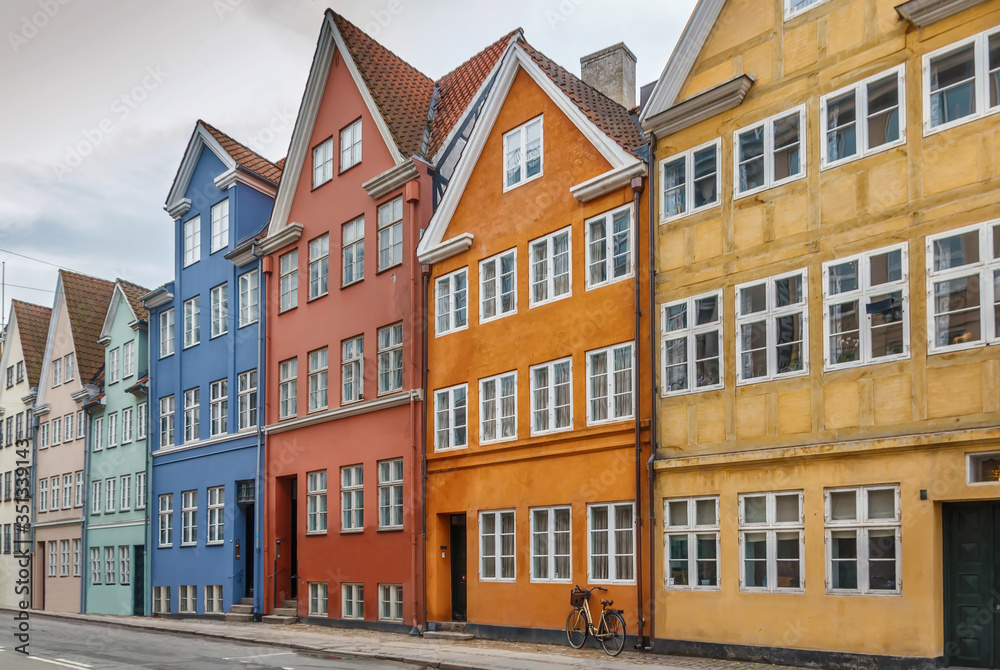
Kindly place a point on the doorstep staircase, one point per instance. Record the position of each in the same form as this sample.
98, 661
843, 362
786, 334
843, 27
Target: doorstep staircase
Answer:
449, 630
243, 612
286, 614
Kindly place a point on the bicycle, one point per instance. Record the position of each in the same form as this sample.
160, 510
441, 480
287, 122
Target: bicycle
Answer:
610, 630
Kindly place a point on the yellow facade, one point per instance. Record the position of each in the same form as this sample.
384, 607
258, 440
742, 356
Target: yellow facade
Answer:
908, 421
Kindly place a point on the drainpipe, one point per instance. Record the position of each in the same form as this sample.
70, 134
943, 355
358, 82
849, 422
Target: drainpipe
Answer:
654, 435
83, 515
637, 186
412, 194
34, 500
425, 271
258, 490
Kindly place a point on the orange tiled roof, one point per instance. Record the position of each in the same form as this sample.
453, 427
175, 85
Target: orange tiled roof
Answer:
33, 329
244, 156
87, 301
133, 293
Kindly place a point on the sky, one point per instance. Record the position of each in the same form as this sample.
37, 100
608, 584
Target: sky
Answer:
101, 97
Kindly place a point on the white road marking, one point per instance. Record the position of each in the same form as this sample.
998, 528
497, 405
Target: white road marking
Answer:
78, 663
237, 658
60, 662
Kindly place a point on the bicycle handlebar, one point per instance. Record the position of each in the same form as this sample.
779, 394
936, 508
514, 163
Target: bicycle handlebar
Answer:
591, 589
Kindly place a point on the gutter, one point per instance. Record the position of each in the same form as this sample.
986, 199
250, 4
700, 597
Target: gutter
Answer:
654, 435
425, 271
258, 561
637, 188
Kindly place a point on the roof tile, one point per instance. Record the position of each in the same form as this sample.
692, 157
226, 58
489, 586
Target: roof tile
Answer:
244, 156
133, 293
33, 329
87, 301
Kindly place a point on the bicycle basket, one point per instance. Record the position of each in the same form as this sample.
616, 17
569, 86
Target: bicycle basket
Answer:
578, 596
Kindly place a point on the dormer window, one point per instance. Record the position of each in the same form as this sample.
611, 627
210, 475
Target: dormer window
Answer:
350, 146
522, 150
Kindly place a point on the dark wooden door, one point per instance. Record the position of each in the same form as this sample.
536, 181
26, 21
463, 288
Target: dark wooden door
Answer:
459, 568
139, 581
972, 579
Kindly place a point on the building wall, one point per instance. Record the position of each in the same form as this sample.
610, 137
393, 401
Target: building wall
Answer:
587, 464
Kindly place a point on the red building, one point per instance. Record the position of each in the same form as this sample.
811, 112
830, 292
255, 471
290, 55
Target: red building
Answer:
372, 146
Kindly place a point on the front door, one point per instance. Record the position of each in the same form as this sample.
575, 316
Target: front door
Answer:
458, 568
139, 581
972, 584
250, 540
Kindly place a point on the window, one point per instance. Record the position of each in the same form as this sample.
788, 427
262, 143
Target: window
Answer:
192, 329
691, 345
220, 310
140, 490
188, 599
189, 518
53, 557
110, 565
20, 370
64, 558
192, 414
691, 181
124, 565
498, 286
43, 434
352, 498
68, 368
451, 418
771, 542
770, 153
112, 429
95, 497
498, 408
551, 397
863, 119
220, 225
350, 146
56, 372
216, 514
10, 376
95, 565
863, 540
865, 304
80, 425
961, 82
247, 399
522, 150
963, 287
192, 241
114, 371
390, 602
319, 266
287, 387
390, 494
126, 493
390, 234
128, 359
54, 490
56, 431
352, 368
612, 542
609, 247
317, 599
691, 527
161, 599
166, 422
109, 495
67, 491
219, 408
78, 494
213, 599
796, 7
551, 272
323, 163
318, 364
390, 358
354, 601
249, 298
496, 546
354, 250
316, 501
451, 293
551, 546
166, 333
772, 328
128, 423
610, 380
43, 495
288, 271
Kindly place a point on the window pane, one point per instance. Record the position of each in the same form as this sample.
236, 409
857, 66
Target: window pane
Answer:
956, 305
881, 504
706, 177
707, 560
755, 560
843, 277
994, 69
676, 317
675, 365
674, 190
678, 513
883, 111
755, 509
957, 250
786, 147
753, 299
754, 341
787, 559
841, 123
789, 346
952, 78
882, 560
707, 359
844, 332
706, 513
679, 560
787, 508
887, 324
751, 159
844, 559
706, 310
843, 506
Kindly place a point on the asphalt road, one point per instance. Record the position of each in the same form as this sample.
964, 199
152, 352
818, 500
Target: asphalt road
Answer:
84, 646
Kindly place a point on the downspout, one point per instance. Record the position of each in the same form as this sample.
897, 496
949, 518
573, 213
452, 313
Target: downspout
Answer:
637, 186
425, 271
411, 193
34, 499
83, 514
654, 435
258, 561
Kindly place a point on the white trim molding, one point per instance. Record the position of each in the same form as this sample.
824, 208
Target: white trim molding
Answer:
353, 409
391, 179
699, 107
607, 182
276, 241
923, 13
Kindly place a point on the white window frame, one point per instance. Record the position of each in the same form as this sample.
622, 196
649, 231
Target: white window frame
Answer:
68, 368
53, 557
521, 131
612, 531
78, 489
114, 369
213, 599
318, 599
77, 557
317, 509
390, 358
188, 599
124, 565
550, 540
218, 408
57, 373
95, 565
352, 370
128, 359
112, 429
319, 375
220, 225
192, 325
192, 415
862, 525
496, 285
350, 145
771, 527
390, 479
54, 493
984, 268
610, 387
64, 558
67, 491
168, 425
191, 234
189, 518
451, 312
609, 246
216, 515
390, 607
288, 382
167, 334
981, 43
140, 490
96, 493
249, 298
444, 403
689, 185
128, 425
355, 595
110, 565
125, 487
57, 431
863, 295
356, 245
247, 400
496, 404
319, 266
549, 279
691, 530
769, 180
860, 90
550, 407
322, 162
790, 12
110, 498
352, 498
220, 310
497, 556
81, 426
165, 516
288, 281
770, 315
43, 435
390, 233
690, 334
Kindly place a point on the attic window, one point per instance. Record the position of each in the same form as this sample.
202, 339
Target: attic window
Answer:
522, 149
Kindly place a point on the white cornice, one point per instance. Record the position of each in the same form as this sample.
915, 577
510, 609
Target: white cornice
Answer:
447, 249
154, 299
607, 182
192, 154
60, 522
923, 13
82, 394
290, 234
164, 451
391, 179
242, 254
30, 398
235, 175
395, 400
697, 108
42, 410
180, 208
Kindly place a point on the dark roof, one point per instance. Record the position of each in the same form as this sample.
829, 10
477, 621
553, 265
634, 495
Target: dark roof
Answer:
87, 301
244, 156
612, 118
133, 293
33, 329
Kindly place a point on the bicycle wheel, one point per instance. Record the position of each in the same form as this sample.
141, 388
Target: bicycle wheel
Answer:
613, 635
576, 628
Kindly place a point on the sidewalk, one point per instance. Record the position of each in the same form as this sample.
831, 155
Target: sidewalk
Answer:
446, 655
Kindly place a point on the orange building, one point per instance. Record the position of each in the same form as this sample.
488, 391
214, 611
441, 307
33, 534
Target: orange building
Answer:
537, 427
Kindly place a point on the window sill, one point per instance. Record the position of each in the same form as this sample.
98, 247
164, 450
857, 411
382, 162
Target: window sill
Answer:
556, 431
388, 267
526, 180
288, 309
165, 356
762, 380
675, 394
390, 529
219, 543
352, 531
447, 449
664, 220
693, 589
847, 160
610, 282
497, 318
449, 332
350, 167
314, 298
605, 422
769, 187
215, 337
314, 533
549, 301
189, 544
353, 283
934, 130
550, 581
190, 346
244, 325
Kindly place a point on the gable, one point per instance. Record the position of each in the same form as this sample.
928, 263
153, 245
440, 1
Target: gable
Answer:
201, 185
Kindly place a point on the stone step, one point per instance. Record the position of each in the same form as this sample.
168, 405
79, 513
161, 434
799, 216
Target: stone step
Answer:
244, 618
451, 626
448, 635
277, 619
286, 611
246, 601
241, 609
291, 603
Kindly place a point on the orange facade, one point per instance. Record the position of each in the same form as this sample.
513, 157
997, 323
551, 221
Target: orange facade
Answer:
575, 468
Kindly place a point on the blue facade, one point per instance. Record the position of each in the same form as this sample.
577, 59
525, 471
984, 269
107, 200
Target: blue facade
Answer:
216, 443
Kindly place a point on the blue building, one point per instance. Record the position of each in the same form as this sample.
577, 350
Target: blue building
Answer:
205, 405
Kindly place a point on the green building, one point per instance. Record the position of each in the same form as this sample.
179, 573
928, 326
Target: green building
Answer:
116, 572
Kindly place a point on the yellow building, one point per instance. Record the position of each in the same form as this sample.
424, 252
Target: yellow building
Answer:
828, 285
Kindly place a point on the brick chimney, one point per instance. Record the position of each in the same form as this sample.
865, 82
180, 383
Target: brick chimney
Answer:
612, 72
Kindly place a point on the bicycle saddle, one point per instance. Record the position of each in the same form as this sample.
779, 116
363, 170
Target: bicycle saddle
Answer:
608, 603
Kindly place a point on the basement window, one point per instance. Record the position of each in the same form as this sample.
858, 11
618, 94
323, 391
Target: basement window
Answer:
983, 468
